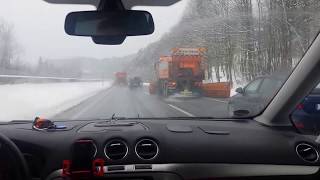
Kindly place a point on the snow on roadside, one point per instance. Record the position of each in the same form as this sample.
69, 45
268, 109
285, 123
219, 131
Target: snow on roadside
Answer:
26, 101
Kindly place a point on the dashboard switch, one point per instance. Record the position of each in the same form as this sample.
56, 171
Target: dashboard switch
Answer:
116, 168
66, 168
97, 167
143, 166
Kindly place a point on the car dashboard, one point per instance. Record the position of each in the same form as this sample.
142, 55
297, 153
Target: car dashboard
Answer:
145, 149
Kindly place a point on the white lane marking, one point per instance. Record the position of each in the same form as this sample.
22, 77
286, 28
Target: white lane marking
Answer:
92, 104
146, 93
181, 110
217, 100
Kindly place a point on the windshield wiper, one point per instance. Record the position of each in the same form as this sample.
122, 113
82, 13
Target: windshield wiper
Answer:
184, 118
151, 118
16, 122
165, 118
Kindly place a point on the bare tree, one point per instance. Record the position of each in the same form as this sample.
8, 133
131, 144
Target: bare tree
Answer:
9, 48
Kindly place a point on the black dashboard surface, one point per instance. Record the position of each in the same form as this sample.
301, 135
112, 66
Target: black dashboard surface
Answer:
179, 142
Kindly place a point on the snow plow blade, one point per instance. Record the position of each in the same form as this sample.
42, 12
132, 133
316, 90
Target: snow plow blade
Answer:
217, 90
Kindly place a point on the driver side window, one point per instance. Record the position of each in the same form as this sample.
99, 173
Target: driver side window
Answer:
253, 87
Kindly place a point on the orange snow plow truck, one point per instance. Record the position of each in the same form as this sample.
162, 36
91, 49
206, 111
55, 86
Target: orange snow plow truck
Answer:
183, 74
120, 78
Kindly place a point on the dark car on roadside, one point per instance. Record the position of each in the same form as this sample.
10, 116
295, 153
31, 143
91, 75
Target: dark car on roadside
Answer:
254, 97
135, 82
306, 117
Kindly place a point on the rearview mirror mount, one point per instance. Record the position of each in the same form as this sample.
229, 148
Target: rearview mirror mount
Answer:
109, 23
108, 40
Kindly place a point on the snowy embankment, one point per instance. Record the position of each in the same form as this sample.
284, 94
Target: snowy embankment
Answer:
26, 101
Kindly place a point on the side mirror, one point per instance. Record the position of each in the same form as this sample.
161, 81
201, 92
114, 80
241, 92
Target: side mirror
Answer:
241, 113
240, 90
109, 23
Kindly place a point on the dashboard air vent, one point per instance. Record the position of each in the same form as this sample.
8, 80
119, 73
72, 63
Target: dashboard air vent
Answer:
147, 149
84, 149
307, 152
116, 149
83, 153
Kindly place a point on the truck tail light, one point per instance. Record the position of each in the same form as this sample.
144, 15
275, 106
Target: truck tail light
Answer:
172, 84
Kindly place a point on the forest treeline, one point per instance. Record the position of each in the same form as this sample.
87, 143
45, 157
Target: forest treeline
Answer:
244, 38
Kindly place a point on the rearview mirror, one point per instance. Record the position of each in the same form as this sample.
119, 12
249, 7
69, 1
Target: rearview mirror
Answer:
113, 23
240, 90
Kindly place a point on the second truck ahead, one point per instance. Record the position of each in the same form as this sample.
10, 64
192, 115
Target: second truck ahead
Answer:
183, 73
121, 79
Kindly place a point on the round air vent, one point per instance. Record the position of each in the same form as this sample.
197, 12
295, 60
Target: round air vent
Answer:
116, 149
307, 152
84, 149
147, 149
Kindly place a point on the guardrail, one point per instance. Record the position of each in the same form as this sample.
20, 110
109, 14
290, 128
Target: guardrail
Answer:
8, 79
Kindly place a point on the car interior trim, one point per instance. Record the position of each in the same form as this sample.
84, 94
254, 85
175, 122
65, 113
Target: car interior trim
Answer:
213, 170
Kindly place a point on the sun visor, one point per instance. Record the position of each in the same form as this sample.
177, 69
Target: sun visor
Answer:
127, 3
89, 2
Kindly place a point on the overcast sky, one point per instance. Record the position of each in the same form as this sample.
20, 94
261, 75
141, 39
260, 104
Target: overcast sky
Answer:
39, 28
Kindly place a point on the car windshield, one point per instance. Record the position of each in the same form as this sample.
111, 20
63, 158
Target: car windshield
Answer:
208, 58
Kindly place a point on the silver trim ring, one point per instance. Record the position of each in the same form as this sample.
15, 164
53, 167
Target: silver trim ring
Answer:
135, 148
109, 142
95, 146
305, 144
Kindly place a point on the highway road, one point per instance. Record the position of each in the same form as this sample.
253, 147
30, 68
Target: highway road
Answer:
125, 102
